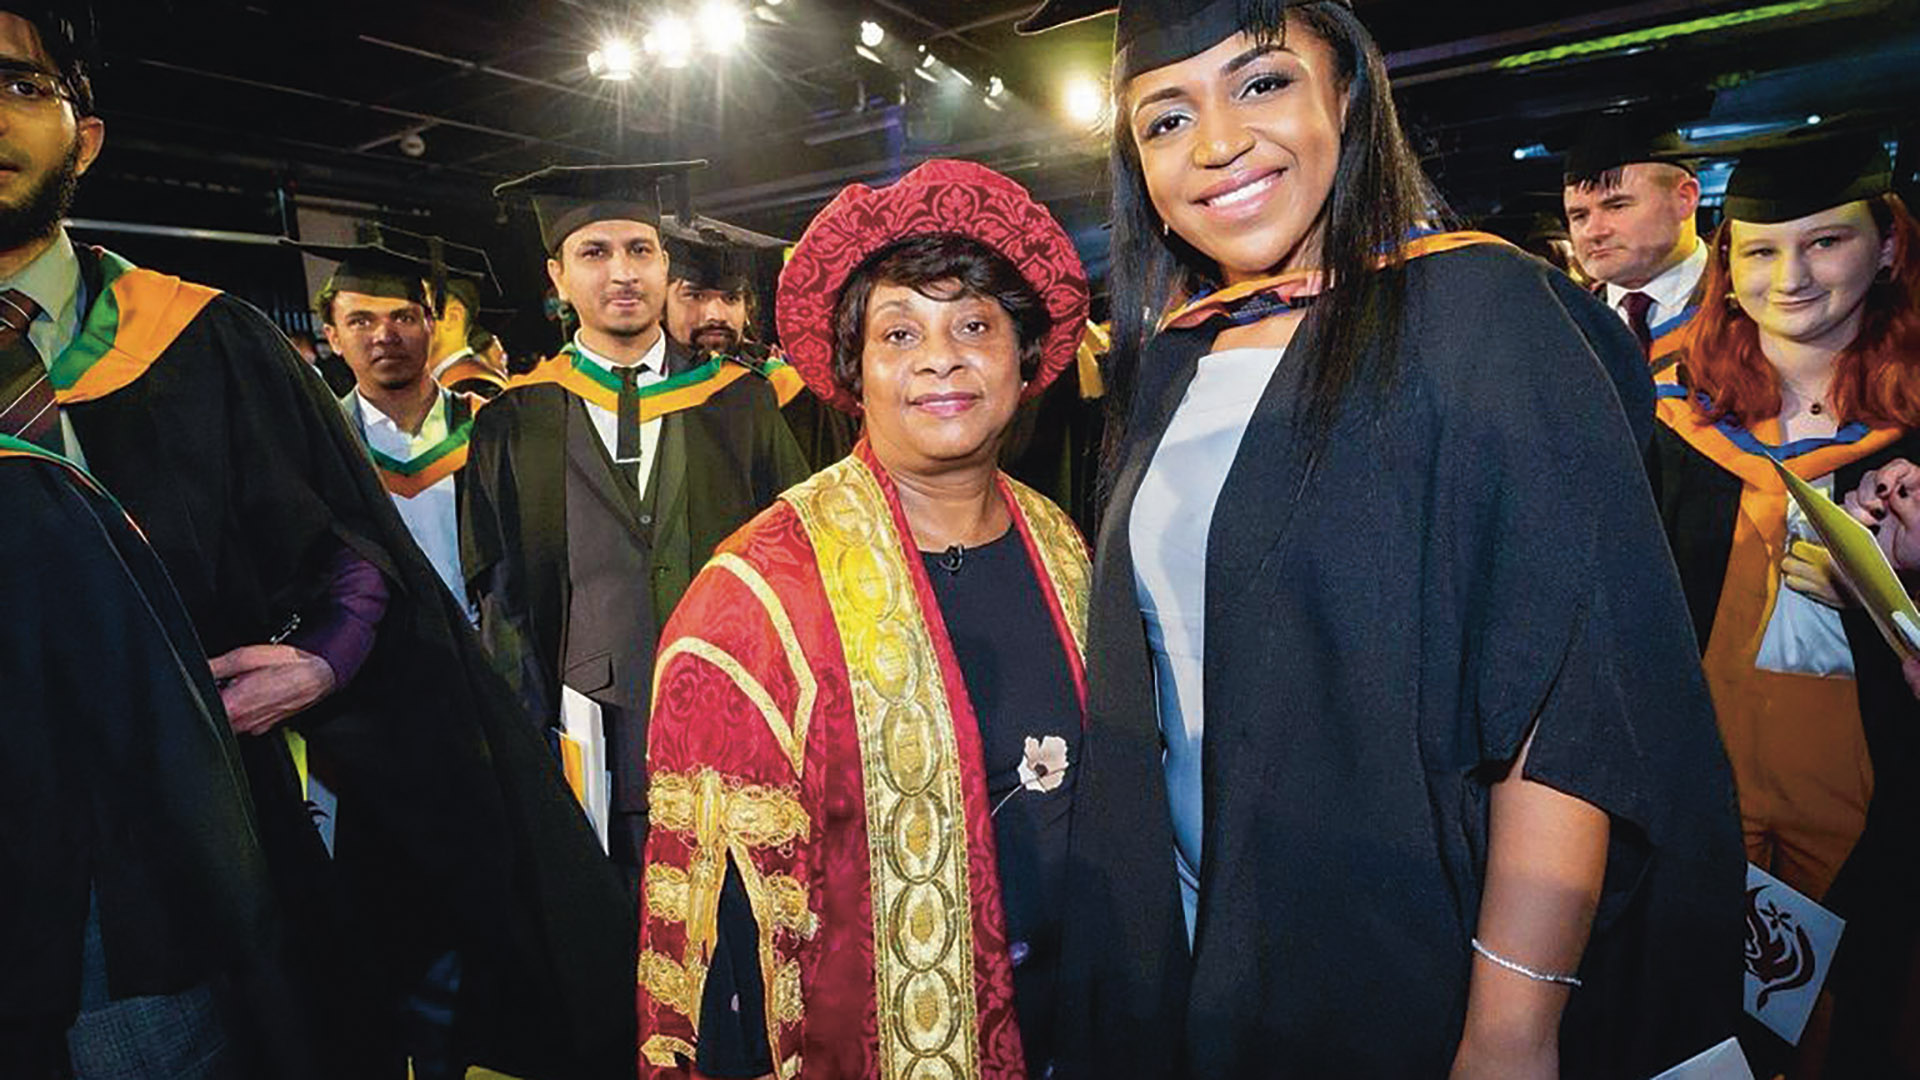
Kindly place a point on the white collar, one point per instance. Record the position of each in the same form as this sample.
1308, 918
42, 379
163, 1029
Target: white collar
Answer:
373, 419
652, 365
453, 358
1672, 287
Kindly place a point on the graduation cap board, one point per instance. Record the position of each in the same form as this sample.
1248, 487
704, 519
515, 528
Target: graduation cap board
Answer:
1614, 140
567, 197
370, 269
711, 254
1150, 34
1793, 178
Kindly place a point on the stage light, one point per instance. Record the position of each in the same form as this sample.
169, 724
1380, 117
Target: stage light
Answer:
722, 28
872, 34
868, 54
1083, 100
1532, 150
612, 61
991, 104
961, 75
995, 87
1813, 119
927, 75
929, 59
672, 41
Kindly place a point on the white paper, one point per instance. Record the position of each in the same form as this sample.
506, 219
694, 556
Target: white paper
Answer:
1790, 946
581, 721
1722, 1062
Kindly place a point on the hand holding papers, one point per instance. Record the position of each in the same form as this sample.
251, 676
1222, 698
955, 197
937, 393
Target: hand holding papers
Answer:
1857, 556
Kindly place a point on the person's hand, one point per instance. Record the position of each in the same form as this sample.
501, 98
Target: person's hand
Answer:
262, 685
1808, 569
1888, 501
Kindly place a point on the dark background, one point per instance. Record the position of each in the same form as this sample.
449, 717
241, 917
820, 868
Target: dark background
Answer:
230, 121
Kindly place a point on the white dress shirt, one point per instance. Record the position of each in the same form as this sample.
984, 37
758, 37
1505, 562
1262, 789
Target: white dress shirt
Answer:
1670, 289
431, 516
607, 423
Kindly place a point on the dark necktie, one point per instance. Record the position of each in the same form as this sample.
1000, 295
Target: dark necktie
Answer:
1637, 305
626, 442
27, 407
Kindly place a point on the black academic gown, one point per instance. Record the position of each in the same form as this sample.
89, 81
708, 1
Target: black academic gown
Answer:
1473, 559
456, 830
118, 775
1699, 504
719, 463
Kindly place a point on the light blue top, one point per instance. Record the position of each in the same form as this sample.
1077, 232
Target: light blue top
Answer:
1172, 516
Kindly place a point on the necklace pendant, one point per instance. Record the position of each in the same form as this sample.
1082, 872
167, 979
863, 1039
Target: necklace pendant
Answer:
1815, 409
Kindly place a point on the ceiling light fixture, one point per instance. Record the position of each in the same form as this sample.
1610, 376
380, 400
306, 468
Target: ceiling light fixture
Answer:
1083, 100
612, 61
721, 26
872, 34
671, 41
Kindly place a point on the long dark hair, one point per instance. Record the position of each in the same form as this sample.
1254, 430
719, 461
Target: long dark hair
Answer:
1379, 194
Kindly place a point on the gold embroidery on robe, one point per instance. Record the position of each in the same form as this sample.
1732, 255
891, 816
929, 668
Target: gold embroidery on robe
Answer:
672, 985
910, 773
1062, 554
666, 890
660, 1051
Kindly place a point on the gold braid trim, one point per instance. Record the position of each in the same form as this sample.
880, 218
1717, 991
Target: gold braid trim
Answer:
786, 1002
666, 891
660, 1051
671, 985
1062, 555
757, 816
910, 777
787, 901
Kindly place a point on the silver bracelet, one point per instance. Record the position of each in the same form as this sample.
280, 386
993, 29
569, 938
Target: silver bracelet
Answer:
1522, 969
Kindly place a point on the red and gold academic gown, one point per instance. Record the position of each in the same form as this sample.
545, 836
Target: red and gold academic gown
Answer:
811, 724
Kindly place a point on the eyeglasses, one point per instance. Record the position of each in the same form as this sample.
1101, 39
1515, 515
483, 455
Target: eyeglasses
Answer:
25, 89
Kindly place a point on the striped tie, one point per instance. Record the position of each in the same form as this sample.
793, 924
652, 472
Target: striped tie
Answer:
27, 407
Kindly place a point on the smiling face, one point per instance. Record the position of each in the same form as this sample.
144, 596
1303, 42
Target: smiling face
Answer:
1239, 146
382, 338
1627, 233
614, 273
939, 378
1806, 281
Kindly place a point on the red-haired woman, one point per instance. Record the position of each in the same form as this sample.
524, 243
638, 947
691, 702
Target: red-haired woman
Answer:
1810, 358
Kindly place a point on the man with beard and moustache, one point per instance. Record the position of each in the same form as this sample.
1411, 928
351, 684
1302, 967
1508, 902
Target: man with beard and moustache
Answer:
711, 307
1630, 200
599, 482
321, 616
374, 312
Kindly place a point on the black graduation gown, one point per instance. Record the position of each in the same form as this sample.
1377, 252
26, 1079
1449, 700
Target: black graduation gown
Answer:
118, 774
1699, 502
735, 457
1475, 559
456, 828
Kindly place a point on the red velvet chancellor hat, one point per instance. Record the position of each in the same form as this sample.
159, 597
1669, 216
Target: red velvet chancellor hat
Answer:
939, 197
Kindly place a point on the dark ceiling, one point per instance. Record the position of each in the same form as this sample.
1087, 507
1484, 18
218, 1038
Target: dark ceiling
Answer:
232, 114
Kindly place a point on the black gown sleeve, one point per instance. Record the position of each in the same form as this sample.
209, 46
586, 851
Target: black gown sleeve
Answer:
733, 1007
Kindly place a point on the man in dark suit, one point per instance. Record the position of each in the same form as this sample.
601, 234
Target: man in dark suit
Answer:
602, 481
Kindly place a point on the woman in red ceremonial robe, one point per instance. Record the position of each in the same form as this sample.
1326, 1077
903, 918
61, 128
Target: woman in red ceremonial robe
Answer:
868, 708
1809, 359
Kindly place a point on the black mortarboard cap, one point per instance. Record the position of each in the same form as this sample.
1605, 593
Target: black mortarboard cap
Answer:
1614, 140
565, 197
711, 254
1798, 177
370, 269
1154, 33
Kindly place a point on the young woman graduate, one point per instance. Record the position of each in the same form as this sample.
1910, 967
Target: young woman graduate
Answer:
1382, 606
869, 705
1808, 355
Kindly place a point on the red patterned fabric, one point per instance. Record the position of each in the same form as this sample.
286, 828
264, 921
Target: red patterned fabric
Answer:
940, 196
703, 722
